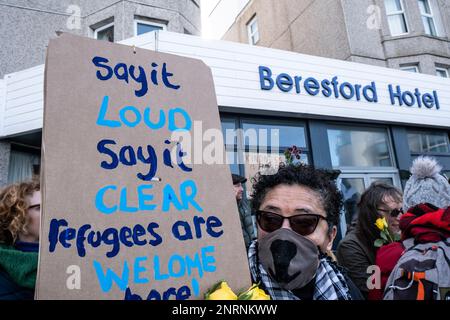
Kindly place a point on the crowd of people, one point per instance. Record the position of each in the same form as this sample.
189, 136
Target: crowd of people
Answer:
399, 248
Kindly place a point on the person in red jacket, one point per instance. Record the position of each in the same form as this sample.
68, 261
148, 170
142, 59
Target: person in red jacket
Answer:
386, 259
426, 201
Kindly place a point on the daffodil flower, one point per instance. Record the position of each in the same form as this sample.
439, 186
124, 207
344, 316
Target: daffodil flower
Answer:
221, 291
381, 223
254, 293
386, 236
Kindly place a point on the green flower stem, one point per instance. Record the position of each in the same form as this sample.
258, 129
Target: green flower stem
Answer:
388, 234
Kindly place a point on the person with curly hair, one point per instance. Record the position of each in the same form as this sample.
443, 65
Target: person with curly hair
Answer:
20, 211
297, 211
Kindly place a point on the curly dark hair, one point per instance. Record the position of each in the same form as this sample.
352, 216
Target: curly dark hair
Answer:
319, 180
13, 210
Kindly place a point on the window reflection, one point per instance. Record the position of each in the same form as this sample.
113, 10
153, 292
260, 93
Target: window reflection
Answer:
260, 145
423, 142
265, 134
144, 28
352, 189
265, 163
383, 180
359, 148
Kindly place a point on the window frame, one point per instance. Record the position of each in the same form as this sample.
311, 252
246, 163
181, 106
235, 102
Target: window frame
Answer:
365, 127
442, 69
234, 147
405, 68
149, 23
430, 16
106, 26
426, 133
395, 13
367, 179
241, 149
253, 20
274, 122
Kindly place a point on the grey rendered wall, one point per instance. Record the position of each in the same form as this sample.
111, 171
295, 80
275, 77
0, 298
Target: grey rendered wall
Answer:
364, 34
354, 30
371, 41
5, 151
25, 32
319, 29
416, 46
313, 27
27, 25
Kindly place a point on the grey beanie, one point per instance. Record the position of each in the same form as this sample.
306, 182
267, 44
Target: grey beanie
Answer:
426, 185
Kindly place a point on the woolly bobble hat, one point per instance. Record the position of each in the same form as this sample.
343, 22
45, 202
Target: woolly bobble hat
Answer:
426, 185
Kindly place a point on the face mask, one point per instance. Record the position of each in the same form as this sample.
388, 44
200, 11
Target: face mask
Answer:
289, 258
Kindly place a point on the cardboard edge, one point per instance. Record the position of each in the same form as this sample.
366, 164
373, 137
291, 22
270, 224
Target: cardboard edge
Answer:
42, 173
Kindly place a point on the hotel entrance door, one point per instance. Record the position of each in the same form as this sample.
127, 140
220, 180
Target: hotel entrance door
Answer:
352, 185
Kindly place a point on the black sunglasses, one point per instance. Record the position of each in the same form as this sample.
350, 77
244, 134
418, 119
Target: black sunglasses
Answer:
394, 213
303, 224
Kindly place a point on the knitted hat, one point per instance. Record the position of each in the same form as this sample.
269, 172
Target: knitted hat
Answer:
426, 185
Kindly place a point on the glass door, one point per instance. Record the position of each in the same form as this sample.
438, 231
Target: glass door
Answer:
352, 186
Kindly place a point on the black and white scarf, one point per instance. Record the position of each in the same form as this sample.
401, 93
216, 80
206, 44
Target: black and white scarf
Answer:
330, 282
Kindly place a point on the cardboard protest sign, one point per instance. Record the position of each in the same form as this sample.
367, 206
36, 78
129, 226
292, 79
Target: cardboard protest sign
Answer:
124, 215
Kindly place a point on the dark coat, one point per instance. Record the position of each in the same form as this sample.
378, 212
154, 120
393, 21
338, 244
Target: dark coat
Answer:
245, 215
355, 293
355, 256
9, 290
18, 269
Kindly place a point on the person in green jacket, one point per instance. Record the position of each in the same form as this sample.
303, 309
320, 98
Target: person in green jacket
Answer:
245, 212
20, 212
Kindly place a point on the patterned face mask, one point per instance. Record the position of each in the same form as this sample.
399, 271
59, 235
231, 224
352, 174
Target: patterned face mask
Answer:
289, 258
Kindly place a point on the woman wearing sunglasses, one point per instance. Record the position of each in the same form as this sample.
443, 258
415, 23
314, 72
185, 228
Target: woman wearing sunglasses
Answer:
357, 251
297, 212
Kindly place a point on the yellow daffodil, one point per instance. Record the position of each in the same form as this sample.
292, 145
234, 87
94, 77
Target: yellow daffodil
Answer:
254, 293
381, 223
221, 291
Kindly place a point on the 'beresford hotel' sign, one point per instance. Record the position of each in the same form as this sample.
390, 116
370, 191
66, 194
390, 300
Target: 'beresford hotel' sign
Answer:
329, 88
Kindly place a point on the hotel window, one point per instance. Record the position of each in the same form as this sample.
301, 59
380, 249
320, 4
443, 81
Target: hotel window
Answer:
260, 144
396, 17
142, 26
363, 155
359, 147
253, 31
260, 136
23, 164
442, 72
229, 126
264, 143
427, 11
428, 142
105, 32
410, 68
